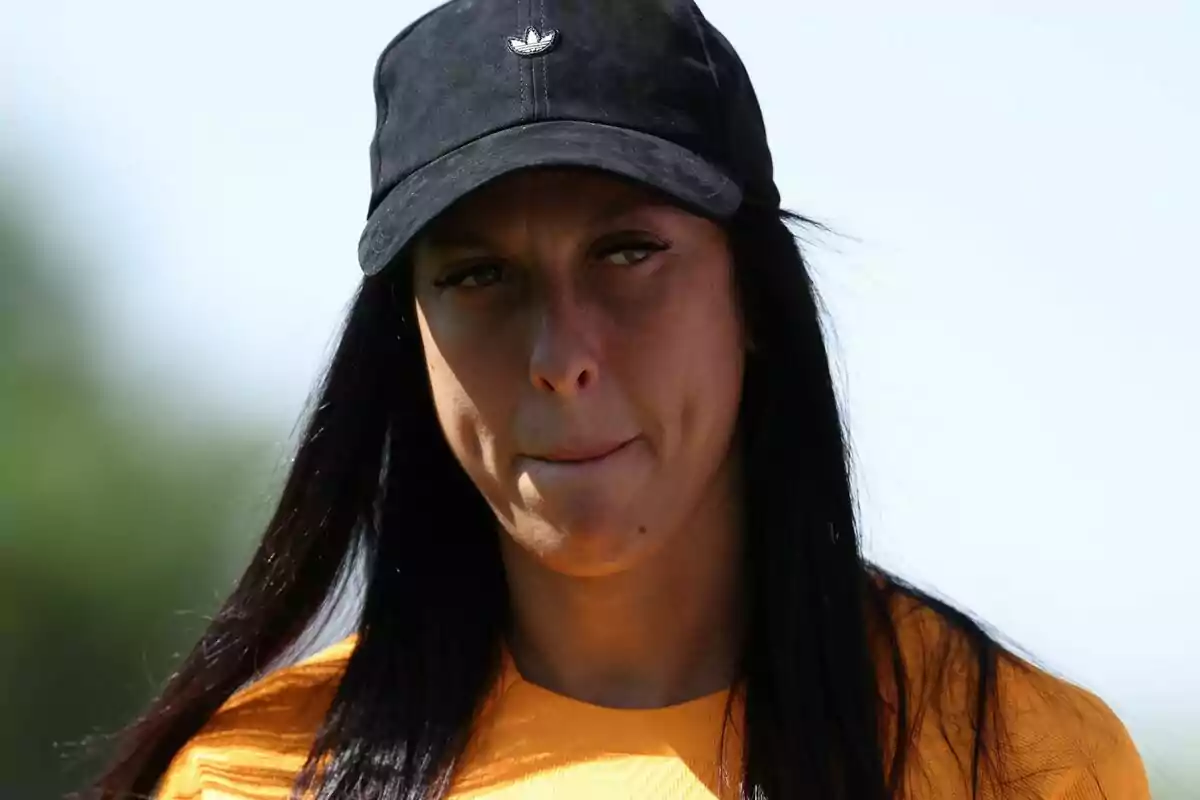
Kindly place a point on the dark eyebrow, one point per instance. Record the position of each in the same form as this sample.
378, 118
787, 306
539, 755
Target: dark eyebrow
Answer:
449, 237
628, 204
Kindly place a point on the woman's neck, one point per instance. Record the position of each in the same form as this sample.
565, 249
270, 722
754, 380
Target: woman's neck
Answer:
664, 632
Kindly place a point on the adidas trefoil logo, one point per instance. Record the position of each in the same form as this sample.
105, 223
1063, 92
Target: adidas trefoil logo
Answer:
534, 43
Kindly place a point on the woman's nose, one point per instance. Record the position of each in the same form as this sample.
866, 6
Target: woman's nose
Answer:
563, 357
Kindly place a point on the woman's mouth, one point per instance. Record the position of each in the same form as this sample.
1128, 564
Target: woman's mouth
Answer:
565, 466
582, 455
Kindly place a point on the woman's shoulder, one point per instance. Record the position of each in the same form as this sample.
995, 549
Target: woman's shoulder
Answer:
1052, 738
258, 740
1054, 727
286, 692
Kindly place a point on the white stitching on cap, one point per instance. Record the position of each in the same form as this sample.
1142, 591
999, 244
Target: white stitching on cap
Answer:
521, 71
545, 70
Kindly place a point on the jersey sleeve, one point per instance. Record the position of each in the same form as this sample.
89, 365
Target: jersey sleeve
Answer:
181, 780
257, 742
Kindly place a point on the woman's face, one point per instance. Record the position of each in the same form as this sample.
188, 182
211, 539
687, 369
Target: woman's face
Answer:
585, 352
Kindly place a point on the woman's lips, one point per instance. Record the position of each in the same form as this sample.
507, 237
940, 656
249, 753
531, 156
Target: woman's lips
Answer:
566, 467
581, 455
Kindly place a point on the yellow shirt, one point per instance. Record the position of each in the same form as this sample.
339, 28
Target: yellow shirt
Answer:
532, 743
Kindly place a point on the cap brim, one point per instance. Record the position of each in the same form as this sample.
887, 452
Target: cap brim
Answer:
429, 191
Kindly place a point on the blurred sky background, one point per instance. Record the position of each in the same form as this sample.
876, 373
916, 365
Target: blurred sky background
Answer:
1012, 283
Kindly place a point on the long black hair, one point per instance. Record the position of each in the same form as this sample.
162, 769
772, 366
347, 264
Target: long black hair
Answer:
374, 482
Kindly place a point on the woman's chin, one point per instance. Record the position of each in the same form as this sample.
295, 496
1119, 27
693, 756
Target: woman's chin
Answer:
584, 545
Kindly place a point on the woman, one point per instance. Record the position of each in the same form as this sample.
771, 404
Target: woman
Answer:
580, 430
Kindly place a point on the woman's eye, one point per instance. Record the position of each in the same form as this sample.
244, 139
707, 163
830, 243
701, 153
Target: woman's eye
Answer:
628, 255
474, 277
625, 258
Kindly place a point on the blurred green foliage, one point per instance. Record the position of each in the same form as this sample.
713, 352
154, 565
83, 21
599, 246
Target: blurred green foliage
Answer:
120, 527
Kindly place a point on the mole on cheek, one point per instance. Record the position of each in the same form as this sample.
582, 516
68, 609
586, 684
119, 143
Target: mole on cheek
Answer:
641, 528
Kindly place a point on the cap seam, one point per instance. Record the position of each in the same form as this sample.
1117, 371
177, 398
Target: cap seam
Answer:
727, 138
382, 107
520, 66
712, 68
532, 65
545, 69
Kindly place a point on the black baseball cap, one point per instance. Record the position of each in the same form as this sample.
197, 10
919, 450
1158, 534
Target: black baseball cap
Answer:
644, 89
